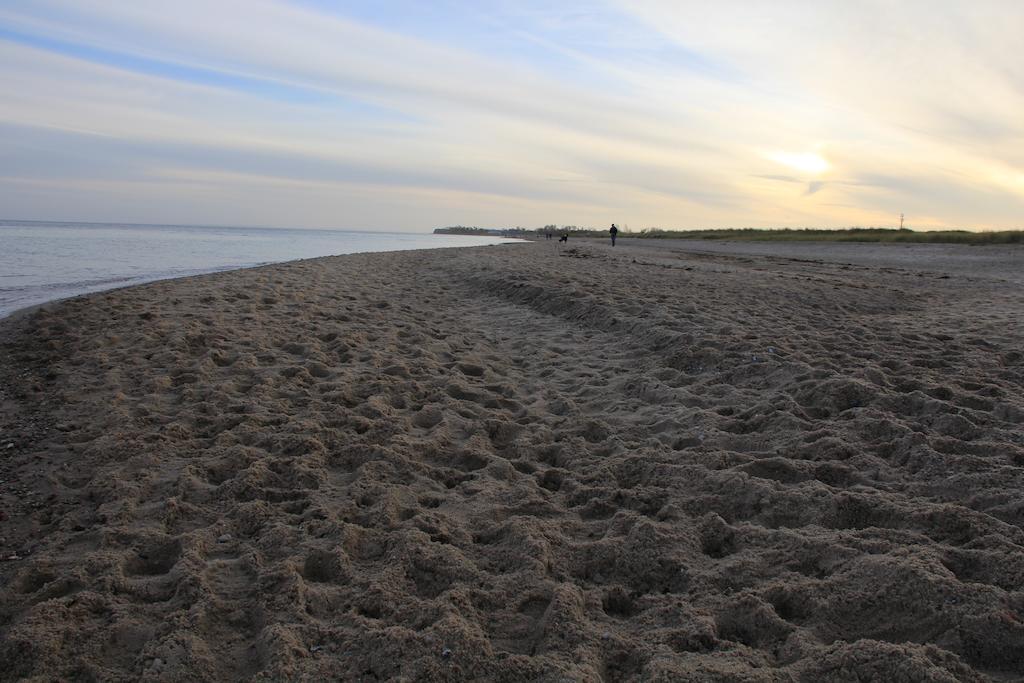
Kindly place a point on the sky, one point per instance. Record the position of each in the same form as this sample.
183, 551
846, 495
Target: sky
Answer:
412, 115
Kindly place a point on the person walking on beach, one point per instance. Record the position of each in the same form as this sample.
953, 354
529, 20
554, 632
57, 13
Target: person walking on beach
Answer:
614, 232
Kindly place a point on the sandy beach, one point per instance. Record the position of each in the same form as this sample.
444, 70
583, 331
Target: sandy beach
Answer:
663, 461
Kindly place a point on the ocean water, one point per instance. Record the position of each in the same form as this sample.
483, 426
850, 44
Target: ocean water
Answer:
40, 262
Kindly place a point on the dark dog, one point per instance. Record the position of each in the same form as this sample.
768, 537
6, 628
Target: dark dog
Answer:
564, 238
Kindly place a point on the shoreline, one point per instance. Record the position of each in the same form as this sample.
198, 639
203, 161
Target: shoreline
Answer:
144, 280
659, 247
540, 463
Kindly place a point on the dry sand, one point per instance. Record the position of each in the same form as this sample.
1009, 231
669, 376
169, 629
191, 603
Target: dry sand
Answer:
523, 463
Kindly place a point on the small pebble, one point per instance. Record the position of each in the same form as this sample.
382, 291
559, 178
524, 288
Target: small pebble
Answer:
446, 653
315, 648
224, 538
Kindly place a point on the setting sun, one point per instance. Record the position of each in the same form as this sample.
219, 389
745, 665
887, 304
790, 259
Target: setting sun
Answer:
808, 162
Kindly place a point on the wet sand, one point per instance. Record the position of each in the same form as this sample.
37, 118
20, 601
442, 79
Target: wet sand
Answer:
658, 462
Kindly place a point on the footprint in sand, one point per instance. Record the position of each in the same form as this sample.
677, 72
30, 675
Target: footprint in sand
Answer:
230, 578
232, 618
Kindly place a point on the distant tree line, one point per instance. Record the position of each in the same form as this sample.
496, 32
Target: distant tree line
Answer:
473, 230
461, 230
854, 234
528, 232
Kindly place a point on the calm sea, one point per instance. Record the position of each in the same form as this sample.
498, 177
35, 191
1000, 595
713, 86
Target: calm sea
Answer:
40, 262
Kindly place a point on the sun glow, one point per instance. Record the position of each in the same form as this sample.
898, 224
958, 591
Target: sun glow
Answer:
808, 162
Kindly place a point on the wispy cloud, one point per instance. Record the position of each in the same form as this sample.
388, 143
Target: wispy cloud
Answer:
408, 115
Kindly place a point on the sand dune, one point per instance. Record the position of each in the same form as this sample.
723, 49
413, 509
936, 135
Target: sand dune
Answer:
521, 463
